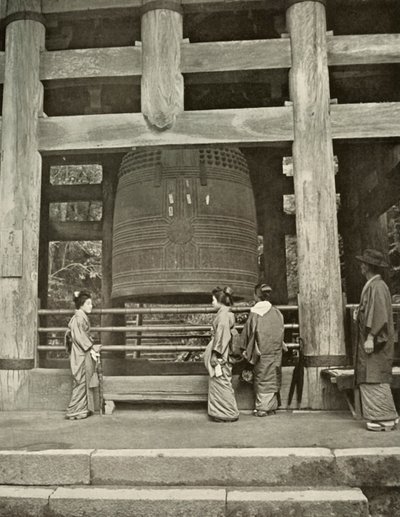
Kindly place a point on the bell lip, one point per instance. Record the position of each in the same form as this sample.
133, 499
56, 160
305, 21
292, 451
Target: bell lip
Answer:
200, 297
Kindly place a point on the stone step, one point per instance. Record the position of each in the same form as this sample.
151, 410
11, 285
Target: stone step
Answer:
178, 501
308, 466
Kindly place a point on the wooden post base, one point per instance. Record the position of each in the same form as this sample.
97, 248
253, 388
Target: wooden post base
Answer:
318, 393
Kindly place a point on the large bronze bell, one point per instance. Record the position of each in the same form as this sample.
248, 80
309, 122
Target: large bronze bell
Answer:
184, 223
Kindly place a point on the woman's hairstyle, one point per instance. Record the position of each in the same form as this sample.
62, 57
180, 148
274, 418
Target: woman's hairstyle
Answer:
262, 291
224, 296
80, 298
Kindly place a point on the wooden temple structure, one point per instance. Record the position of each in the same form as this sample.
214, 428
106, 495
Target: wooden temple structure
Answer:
86, 81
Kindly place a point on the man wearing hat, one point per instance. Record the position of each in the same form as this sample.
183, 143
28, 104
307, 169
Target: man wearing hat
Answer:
375, 345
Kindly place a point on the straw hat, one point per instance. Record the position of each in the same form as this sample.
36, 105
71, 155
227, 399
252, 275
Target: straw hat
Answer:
373, 257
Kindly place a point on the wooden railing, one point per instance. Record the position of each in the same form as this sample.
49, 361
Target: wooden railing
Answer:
184, 331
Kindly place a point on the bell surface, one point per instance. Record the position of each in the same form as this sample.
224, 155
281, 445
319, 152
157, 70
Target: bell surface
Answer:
184, 223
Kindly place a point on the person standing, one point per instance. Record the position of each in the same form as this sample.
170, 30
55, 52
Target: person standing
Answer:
222, 405
83, 355
262, 343
375, 345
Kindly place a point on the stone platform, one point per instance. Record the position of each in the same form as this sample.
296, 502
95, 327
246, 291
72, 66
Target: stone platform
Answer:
174, 461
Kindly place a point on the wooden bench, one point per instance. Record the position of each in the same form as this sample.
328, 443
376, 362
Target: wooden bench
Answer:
343, 378
153, 388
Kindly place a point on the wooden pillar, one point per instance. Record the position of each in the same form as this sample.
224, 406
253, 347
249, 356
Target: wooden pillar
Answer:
269, 184
43, 266
20, 184
320, 298
362, 170
162, 81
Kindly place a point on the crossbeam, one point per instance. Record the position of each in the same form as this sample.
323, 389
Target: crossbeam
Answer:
71, 193
245, 127
75, 231
123, 131
225, 56
58, 7
213, 57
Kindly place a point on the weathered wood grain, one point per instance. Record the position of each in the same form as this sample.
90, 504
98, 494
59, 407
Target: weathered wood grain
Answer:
71, 6
90, 63
20, 186
124, 131
94, 6
363, 49
162, 81
75, 231
236, 55
369, 120
71, 193
320, 297
221, 56
95, 133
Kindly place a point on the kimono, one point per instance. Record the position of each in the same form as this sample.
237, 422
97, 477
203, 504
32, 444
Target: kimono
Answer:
221, 397
262, 339
373, 372
82, 367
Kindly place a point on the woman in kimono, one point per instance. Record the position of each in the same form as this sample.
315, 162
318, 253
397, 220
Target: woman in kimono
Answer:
222, 405
262, 341
83, 355
375, 346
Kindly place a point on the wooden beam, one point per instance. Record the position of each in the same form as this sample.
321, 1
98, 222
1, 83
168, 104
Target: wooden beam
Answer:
71, 193
236, 55
98, 6
75, 159
221, 56
320, 294
363, 49
75, 231
93, 133
90, 63
369, 120
95, 7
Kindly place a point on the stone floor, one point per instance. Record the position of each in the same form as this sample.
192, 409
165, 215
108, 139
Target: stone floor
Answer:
135, 427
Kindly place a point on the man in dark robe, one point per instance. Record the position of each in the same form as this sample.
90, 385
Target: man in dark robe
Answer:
375, 346
262, 343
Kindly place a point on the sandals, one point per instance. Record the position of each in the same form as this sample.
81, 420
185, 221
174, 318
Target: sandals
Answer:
389, 425
260, 413
78, 417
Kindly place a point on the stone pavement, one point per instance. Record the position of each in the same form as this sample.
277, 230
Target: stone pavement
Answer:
168, 427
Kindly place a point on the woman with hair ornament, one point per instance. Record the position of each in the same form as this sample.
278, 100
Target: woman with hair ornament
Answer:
222, 405
83, 356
